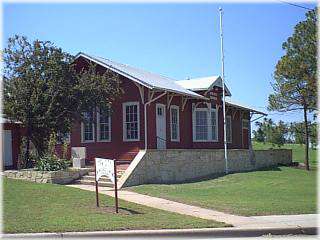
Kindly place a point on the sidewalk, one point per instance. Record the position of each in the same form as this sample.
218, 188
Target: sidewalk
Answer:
275, 221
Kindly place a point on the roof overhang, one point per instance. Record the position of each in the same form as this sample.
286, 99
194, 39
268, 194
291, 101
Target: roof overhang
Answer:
137, 80
245, 108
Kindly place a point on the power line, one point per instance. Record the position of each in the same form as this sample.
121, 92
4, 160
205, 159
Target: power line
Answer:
295, 5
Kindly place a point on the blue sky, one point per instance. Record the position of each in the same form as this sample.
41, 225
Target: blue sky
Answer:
176, 40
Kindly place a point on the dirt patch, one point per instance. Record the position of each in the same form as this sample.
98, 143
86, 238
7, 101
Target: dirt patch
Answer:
298, 165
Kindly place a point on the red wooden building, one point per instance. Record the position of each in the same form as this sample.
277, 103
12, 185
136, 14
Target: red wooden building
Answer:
11, 139
156, 112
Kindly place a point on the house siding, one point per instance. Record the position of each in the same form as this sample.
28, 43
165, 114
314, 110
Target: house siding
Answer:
119, 149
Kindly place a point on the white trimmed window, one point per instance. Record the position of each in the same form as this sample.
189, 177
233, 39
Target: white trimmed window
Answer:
131, 121
205, 125
104, 124
201, 125
245, 124
174, 123
229, 128
63, 138
214, 124
87, 127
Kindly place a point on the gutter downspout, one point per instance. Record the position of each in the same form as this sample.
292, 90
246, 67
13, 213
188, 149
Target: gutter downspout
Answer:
145, 119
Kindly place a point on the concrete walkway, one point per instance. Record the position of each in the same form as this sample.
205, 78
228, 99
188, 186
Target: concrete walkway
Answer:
277, 221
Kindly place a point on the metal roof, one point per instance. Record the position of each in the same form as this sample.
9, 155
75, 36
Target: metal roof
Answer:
234, 103
145, 78
203, 84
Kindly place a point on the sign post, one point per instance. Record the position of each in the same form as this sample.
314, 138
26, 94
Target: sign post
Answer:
96, 182
106, 167
115, 186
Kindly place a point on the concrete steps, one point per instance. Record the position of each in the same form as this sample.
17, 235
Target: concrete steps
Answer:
89, 179
89, 182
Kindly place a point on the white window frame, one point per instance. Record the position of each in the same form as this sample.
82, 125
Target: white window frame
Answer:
178, 123
247, 121
229, 117
82, 131
124, 128
214, 111
98, 126
65, 138
209, 134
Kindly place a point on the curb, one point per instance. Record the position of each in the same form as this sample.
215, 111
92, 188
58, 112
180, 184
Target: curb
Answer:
190, 233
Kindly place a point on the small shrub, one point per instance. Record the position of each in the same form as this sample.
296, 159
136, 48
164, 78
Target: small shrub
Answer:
50, 162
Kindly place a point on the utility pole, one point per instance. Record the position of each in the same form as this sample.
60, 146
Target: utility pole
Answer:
223, 95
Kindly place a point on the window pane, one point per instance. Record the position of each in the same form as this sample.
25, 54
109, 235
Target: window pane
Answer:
174, 124
131, 122
88, 126
201, 125
245, 123
214, 125
228, 128
105, 123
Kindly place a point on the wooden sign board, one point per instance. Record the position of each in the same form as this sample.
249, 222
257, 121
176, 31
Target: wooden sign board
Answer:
105, 167
108, 168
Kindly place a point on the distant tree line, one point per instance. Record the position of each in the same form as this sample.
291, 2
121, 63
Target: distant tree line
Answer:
281, 133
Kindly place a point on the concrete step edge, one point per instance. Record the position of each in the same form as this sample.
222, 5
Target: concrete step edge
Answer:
91, 178
86, 182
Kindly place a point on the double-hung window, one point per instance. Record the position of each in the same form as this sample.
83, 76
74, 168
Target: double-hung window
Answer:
214, 124
205, 125
245, 124
104, 124
174, 122
87, 127
201, 125
131, 121
229, 128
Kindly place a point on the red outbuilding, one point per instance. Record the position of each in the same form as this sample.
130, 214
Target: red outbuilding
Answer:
11, 138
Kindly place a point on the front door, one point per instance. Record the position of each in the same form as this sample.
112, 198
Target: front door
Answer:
161, 126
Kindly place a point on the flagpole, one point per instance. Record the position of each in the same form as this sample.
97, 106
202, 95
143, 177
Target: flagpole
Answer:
223, 95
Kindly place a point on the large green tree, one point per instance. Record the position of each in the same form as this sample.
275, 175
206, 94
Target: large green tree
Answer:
268, 131
295, 86
43, 90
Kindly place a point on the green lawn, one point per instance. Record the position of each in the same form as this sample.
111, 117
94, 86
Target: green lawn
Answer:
297, 151
279, 190
34, 207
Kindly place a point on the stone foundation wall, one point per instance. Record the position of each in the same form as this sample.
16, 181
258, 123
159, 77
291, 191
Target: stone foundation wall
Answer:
58, 177
180, 165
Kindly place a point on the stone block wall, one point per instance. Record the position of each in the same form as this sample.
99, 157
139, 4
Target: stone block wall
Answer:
57, 177
181, 165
